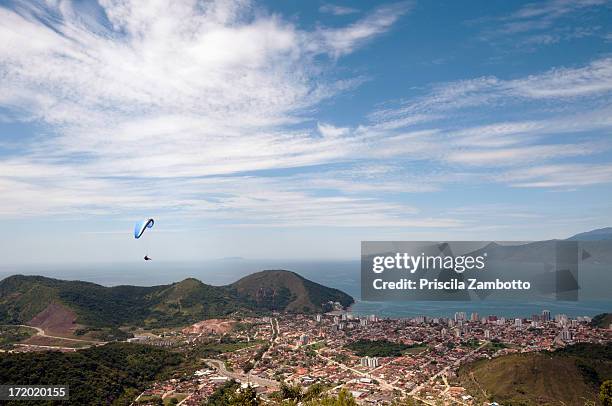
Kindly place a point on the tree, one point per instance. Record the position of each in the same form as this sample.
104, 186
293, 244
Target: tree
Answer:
314, 391
292, 392
246, 397
231, 394
605, 393
344, 398
408, 401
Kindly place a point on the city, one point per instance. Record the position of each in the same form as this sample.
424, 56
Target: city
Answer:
423, 364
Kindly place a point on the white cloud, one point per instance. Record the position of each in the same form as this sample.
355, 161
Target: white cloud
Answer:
557, 85
553, 9
330, 131
342, 41
167, 110
569, 103
337, 10
559, 176
142, 95
519, 155
539, 16
595, 78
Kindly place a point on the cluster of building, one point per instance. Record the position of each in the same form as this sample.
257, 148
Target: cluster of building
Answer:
306, 349
189, 392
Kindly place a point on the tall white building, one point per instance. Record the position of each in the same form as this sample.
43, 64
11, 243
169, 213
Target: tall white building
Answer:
370, 362
562, 319
460, 316
566, 335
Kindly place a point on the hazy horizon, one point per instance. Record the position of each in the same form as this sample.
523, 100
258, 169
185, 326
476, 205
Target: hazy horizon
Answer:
343, 275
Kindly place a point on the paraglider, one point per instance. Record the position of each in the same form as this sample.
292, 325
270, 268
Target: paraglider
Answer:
140, 227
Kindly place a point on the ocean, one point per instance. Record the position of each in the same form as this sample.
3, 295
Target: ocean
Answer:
343, 275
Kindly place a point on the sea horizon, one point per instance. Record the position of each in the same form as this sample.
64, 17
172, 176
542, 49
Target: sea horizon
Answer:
339, 274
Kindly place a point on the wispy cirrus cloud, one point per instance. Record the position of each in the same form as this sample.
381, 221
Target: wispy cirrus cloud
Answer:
538, 24
555, 115
337, 10
560, 176
499, 157
342, 41
145, 100
558, 84
200, 109
543, 14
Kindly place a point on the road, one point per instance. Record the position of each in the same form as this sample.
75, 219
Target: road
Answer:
442, 372
41, 333
383, 383
49, 347
222, 370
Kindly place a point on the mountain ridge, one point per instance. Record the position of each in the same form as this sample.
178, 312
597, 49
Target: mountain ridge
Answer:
570, 375
23, 297
598, 234
270, 290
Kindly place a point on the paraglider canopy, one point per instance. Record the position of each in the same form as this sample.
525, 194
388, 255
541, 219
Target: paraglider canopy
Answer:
141, 226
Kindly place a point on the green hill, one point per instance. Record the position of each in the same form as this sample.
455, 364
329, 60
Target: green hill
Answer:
283, 290
571, 376
111, 374
603, 320
24, 298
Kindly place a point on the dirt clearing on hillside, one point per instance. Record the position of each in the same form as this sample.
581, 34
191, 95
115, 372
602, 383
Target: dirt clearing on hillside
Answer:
56, 319
212, 326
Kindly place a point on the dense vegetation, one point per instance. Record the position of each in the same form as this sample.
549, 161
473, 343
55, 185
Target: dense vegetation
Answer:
104, 333
573, 375
113, 373
377, 348
182, 303
13, 334
602, 320
313, 396
605, 393
230, 394
320, 294
212, 348
284, 290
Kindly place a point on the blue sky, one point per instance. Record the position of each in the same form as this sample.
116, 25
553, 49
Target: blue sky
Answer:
297, 129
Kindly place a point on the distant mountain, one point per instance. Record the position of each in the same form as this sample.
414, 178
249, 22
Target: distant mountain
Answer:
287, 290
593, 235
536, 261
65, 306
